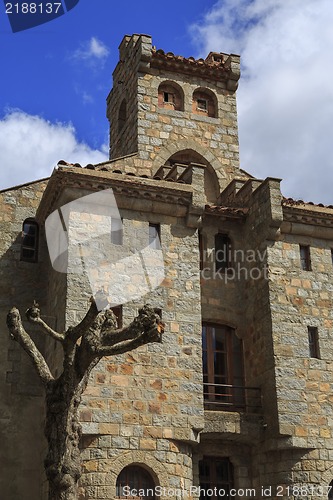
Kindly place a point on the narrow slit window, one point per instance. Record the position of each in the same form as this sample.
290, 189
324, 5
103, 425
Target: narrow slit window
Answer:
154, 236
116, 231
29, 246
305, 257
332, 256
222, 252
313, 342
201, 250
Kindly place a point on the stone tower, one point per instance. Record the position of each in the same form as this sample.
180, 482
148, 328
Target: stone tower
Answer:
172, 110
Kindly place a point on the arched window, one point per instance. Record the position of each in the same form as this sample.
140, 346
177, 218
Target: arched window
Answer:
29, 245
223, 372
215, 474
170, 96
135, 482
204, 103
122, 115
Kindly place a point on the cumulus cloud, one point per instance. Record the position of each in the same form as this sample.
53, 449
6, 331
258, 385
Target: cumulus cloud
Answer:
92, 51
30, 147
285, 97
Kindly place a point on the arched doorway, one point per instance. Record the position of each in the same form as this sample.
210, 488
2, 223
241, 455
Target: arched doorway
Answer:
135, 482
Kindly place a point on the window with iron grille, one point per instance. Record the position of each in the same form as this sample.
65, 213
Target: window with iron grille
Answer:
223, 372
215, 476
29, 245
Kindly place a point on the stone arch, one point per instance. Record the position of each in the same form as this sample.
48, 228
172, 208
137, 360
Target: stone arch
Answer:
170, 96
142, 459
187, 151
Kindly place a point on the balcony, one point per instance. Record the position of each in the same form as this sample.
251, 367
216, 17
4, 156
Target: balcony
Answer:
224, 397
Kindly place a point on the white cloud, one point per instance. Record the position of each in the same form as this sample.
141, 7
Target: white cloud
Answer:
92, 50
30, 147
285, 97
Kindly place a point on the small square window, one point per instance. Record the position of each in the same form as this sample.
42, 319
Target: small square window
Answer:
202, 104
305, 257
168, 97
154, 236
313, 342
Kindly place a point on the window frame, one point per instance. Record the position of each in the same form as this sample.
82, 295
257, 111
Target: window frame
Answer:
213, 479
154, 242
305, 257
30, 247
313, 340
228, 395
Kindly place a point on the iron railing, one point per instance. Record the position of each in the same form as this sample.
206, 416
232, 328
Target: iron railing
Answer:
224, 397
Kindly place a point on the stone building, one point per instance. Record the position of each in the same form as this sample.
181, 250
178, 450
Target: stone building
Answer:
239, 394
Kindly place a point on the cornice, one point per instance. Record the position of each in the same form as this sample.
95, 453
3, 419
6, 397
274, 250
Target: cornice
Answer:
66, 180
312, 215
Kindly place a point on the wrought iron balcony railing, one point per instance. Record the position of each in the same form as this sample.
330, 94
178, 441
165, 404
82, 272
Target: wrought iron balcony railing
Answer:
223, 397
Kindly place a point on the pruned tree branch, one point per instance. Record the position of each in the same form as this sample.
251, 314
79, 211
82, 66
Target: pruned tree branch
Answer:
146, 320
33, 315
18, 333
76, 332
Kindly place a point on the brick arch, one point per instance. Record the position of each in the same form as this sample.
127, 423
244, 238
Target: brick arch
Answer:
142, 459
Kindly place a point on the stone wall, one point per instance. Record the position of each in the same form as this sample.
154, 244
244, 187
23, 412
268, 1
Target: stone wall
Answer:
21, 402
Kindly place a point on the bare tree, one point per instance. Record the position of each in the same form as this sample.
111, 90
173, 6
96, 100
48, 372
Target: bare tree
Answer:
83, 346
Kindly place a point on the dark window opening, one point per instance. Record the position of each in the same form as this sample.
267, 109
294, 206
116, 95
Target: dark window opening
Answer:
313, 342
154, 236
122, 116
168, 97
223, 372
216, 478
222, 252
201, 250
118, 312
332, 256
202, 104
135, 482
305, 257
29, 246
116, 231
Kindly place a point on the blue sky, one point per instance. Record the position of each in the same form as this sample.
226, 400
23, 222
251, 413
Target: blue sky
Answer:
55, 79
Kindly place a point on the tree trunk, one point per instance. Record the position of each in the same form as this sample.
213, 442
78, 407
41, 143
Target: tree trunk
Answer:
63, 433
